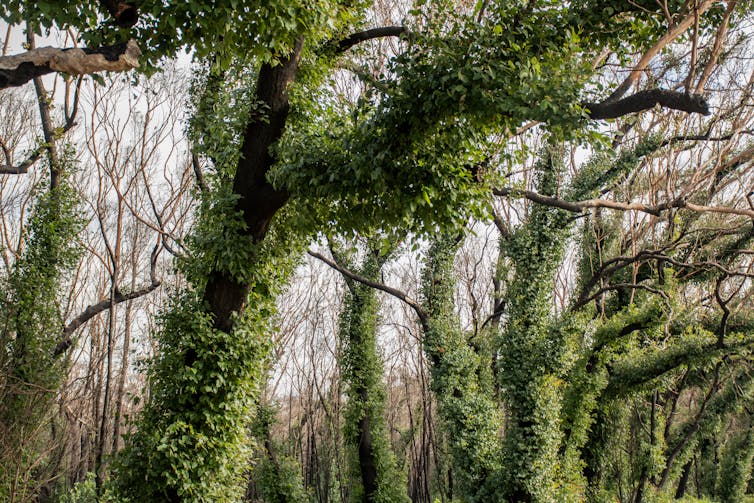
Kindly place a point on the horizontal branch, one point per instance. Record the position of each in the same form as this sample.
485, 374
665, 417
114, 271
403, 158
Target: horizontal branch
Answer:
619, 286
645, 100
362, 36
420, 312
21, 169
95, 309
579, 206
18, 69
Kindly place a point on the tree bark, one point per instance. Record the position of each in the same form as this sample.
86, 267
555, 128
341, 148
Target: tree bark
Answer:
680, 491
259, 200
644, 100
19, 69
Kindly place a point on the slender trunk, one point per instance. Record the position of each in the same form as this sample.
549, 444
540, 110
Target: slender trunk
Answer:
644, 477
122, 377
102, 439
680, 492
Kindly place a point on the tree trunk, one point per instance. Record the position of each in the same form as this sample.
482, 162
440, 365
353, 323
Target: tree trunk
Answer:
680, 492
259, 200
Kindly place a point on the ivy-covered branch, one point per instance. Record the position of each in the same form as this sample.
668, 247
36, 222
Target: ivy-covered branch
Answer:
626, 376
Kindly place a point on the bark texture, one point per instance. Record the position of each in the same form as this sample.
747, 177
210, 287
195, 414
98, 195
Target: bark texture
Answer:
259, 200
19, 69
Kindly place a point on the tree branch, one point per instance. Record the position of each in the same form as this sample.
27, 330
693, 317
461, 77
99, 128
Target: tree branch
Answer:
23, 168
362, 36
579, 206
644, 100
666, 39
619, 286
95, 309
420, 312
18, 69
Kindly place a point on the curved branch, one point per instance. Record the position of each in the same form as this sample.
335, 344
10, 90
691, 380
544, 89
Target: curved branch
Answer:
362, 36
95, 309
18, 69
644, 100
420, 312
619, 286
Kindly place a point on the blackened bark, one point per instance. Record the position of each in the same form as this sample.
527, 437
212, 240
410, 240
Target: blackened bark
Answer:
125, 14
644, 100
680, 492
363, 36
259, 200
367, 463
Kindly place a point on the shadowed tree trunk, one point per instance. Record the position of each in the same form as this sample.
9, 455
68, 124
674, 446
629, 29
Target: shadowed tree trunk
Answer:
259, 200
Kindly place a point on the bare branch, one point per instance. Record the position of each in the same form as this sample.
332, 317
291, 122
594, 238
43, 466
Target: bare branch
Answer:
671, 35
644, 100
579, 206
21, 68
420, 312
95, 309
717, 48
363, 36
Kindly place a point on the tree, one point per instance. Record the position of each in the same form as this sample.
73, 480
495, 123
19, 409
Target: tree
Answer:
413, 153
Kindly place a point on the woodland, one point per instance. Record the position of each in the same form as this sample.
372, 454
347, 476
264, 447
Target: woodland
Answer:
376, 251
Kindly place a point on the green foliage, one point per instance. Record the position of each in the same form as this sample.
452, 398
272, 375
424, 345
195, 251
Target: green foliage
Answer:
276, 478
552, 398
362, 371
224, 30
192, 442
84, 492
468, 412
735, 468
30, 371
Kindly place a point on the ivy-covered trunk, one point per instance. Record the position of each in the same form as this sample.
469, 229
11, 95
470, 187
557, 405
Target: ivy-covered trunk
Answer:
30, 370
362, 371
257, 200
530, 351
461, 381
551, 401
214, 338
